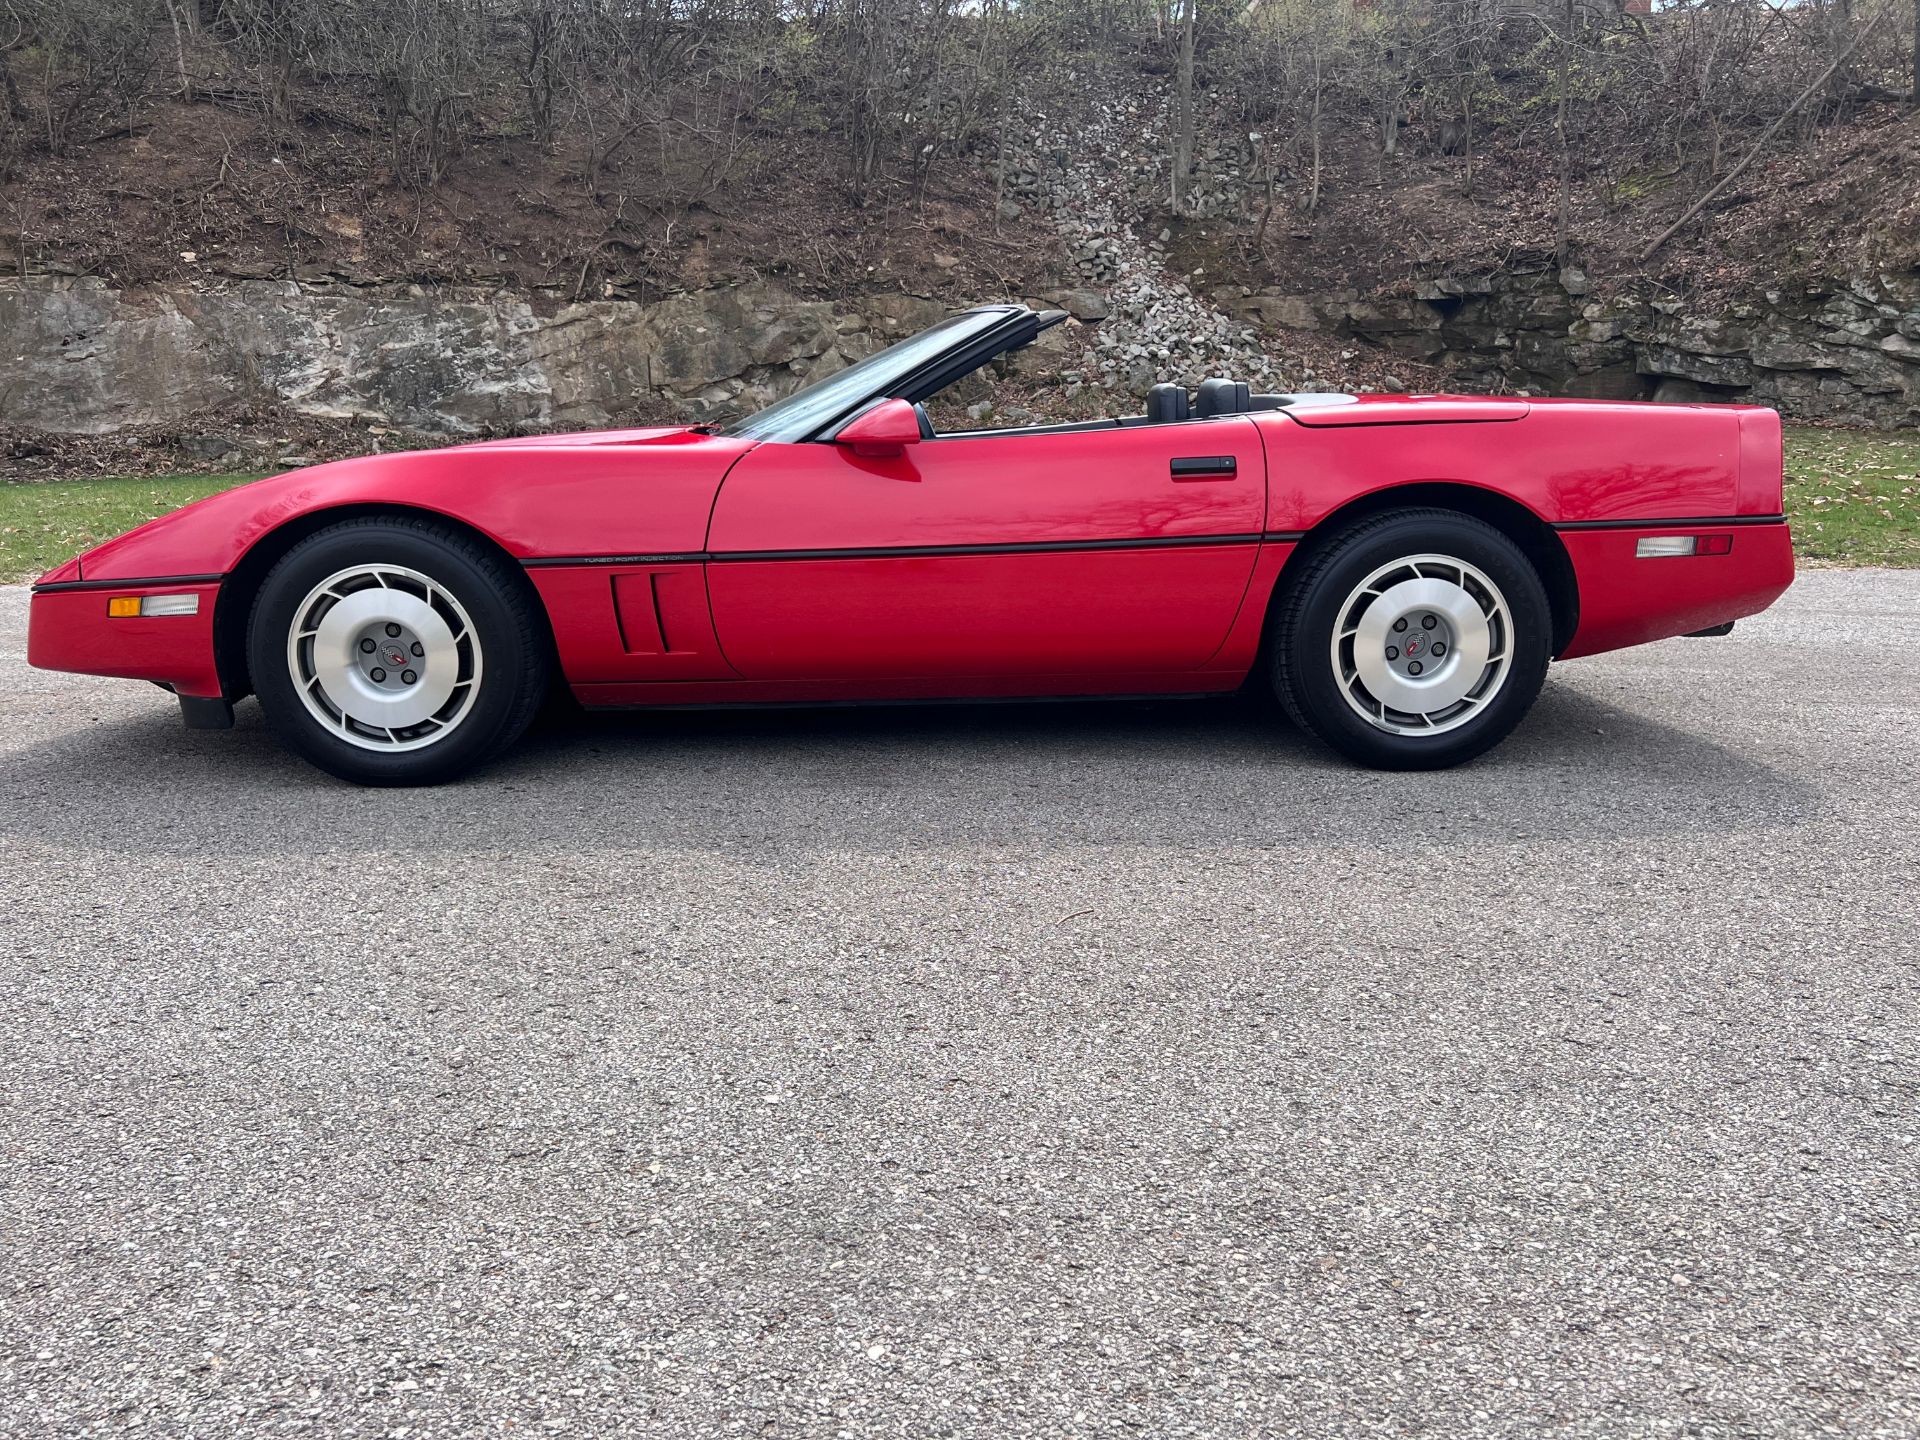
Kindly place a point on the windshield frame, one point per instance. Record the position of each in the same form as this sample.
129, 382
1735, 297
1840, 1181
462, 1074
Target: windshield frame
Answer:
910, 369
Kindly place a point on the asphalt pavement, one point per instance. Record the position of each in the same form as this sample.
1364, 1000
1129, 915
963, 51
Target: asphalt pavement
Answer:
998, 1072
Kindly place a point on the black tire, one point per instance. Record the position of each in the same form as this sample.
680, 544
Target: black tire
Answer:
504, 627
1313, 602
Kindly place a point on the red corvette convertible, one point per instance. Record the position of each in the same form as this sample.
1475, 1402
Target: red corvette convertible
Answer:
1399, 570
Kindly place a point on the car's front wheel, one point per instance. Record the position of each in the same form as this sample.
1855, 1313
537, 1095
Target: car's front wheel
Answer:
396, 651
1415, 640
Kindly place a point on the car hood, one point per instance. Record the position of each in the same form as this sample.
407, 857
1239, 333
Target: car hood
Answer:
582, 488
657, 436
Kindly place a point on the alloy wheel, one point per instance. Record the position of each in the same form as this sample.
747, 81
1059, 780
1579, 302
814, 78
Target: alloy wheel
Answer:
384, 658
1422, 644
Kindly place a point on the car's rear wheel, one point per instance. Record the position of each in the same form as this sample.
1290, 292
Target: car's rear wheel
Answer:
396, 651
1413, 641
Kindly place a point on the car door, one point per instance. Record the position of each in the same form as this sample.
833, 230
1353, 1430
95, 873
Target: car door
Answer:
1049, 552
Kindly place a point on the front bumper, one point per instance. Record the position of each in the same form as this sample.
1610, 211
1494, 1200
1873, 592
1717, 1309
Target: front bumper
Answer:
69, 629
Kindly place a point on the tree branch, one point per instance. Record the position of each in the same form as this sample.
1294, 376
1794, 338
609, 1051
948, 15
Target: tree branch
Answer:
1761, 144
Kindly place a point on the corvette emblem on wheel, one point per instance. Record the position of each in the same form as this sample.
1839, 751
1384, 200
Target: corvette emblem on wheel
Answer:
1399, 570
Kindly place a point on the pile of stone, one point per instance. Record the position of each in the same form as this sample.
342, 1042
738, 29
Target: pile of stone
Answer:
1153, 327
1098, 260
1218, 185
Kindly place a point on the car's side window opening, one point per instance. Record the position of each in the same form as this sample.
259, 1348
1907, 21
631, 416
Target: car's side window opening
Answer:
981, 373
955, 413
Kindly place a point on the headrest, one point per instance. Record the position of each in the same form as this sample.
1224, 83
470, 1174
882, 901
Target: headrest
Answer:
1166, 402
1220, 396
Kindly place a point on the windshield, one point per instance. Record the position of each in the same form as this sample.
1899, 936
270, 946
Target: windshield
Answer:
805, 411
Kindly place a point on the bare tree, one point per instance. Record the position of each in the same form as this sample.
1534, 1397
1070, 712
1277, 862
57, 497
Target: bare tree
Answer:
1563, 208
1183, 111
1303, 51
1394, 48
92, 59
1799, 100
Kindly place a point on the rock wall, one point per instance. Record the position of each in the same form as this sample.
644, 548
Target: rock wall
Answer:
81, 357
1847, 352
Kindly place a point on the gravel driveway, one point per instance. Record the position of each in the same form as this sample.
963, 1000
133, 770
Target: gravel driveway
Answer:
998, 1072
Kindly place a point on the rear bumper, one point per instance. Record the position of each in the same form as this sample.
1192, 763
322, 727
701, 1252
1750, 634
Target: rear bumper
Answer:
1628, 600
69, 629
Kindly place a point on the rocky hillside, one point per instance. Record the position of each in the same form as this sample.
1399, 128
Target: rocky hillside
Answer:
220, 285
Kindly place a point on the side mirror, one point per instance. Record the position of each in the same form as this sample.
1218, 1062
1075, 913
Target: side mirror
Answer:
884, 431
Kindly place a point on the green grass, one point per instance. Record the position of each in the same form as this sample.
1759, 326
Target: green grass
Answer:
43, 523
1854, 496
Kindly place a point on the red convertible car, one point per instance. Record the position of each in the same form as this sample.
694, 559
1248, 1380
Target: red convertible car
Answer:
1399, 570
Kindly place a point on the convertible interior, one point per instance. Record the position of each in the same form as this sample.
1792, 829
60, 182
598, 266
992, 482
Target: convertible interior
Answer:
1167, 403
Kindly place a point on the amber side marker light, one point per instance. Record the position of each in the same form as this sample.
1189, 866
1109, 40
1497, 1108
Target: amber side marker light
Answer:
127, 607
1666, 547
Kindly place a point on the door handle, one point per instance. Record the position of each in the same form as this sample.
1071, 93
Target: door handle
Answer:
1202, 467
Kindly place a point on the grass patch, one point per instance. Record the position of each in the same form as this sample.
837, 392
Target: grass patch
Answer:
43, 523
1854, 496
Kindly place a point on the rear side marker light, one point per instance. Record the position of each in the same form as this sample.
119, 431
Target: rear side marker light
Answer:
127, 607
1659, 547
